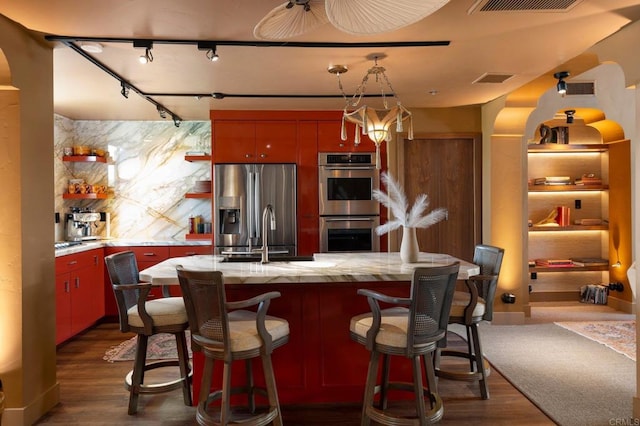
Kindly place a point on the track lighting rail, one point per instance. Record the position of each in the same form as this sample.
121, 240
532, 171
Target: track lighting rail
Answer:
127, 86
249, 43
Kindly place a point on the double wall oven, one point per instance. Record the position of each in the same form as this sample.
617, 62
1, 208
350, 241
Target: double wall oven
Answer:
348, 212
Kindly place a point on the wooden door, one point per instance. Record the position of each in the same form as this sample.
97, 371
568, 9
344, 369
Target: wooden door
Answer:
448, 169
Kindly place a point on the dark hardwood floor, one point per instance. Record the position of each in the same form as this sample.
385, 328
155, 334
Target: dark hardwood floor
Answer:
92, 393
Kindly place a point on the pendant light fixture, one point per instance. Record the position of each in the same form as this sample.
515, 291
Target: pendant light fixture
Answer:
374, 122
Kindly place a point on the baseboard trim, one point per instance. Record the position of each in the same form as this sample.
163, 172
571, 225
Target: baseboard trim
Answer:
30, 414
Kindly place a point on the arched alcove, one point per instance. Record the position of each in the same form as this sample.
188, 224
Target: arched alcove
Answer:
517, 120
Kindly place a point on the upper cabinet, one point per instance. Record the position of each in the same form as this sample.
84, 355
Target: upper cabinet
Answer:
254, 141
330, 138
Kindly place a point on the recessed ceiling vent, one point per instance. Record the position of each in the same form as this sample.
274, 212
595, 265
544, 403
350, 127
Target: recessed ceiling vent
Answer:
492, 78
523, 6
581, 88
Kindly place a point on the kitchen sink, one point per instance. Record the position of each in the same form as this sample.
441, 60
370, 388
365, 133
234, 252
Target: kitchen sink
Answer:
272, 258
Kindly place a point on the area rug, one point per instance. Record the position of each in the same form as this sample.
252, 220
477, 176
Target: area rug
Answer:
617, 335
574, 380
160, 346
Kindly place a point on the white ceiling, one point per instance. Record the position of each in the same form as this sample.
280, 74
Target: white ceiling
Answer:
519, 43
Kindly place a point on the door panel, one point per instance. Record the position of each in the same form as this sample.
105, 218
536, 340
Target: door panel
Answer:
447, 169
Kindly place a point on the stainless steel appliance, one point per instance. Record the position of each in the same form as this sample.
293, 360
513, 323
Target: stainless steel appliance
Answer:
348, 212
349, 233
242, 192
82, 224
346, 184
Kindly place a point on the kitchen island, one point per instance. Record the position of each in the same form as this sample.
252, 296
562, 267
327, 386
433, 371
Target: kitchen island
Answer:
320, 364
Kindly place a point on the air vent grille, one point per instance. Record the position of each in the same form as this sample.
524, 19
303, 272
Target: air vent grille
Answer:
493, 78
581, 88
523, 5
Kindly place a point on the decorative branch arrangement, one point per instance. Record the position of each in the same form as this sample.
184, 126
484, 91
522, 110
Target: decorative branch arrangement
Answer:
396, 201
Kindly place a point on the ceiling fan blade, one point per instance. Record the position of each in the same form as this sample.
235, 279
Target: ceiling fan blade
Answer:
285, 22
362, 17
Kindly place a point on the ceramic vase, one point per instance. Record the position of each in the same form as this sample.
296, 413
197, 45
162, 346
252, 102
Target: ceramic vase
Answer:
409, 247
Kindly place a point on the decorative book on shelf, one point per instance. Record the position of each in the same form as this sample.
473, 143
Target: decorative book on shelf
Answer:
589, 179
554, 263
553, 180
590, 261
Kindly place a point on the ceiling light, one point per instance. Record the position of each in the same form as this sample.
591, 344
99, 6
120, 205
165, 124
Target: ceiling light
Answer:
212, 55
147, 45
91, 47
125, 89
211, 49
562, 85
374, 122
162, 112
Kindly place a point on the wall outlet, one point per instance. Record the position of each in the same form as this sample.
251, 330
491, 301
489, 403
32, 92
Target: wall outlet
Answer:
578, 204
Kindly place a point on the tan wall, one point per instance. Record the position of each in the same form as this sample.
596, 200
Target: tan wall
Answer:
27, 291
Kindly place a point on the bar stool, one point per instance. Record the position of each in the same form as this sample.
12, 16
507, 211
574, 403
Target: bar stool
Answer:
146, 318
227, 331
470, 308
411, 328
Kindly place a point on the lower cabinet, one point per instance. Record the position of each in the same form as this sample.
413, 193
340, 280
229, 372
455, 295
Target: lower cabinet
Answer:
79, 295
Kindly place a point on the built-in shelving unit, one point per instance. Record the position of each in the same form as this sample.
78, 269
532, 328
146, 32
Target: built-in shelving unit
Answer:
598, 252
85, 159
198, 195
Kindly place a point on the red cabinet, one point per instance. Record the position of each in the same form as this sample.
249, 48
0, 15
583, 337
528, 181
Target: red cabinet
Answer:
329, 138
254, 141
79, 295
181, 251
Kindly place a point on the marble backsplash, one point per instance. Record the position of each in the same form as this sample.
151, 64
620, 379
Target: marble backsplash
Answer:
146, 171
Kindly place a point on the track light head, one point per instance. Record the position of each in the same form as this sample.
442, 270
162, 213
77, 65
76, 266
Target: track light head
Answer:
161, 111
562, 85
147, 45
125, 89
211, 49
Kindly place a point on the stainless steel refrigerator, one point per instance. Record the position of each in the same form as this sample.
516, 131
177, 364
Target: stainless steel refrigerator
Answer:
241, 193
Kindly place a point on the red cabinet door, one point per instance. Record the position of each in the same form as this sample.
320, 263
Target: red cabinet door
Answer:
63, 307
276, 141
181, 251
83, 288
234, 142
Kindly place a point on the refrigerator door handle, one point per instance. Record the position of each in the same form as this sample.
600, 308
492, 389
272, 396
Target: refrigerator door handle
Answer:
256, 205
250, 207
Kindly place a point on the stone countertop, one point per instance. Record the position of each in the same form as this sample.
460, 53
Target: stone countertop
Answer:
326, 267
90, 245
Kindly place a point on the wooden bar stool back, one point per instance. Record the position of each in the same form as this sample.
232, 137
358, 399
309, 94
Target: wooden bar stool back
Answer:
146, 318
410, 328
470, 308
228, 331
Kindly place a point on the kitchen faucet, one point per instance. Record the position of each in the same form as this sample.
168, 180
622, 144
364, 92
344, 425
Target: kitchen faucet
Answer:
268, 211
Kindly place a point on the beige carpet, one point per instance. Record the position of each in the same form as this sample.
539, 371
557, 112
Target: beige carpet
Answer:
574, 380
617, 335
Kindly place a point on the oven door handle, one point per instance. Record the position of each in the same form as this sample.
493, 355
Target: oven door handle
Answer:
350, 219
367, 167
